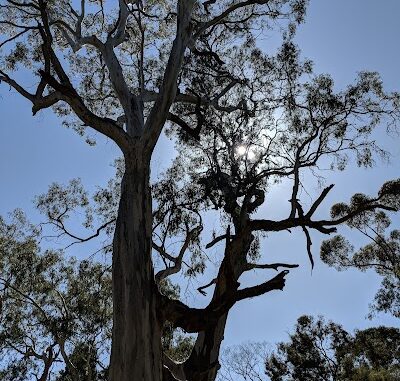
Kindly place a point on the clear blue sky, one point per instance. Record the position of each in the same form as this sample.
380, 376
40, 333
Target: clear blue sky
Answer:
342, 37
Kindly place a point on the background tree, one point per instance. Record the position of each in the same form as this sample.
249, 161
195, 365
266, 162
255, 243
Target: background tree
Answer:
55, 313
325, 351
245, 361
381, 255
245, 120
318, 350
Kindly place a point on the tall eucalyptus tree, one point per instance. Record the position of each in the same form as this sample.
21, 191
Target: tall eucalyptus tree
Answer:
244, 119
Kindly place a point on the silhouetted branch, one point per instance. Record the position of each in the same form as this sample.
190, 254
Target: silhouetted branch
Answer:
200, 289
318, 201
197, 319
274, 266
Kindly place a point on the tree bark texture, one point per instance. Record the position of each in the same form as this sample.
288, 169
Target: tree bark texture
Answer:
136, 352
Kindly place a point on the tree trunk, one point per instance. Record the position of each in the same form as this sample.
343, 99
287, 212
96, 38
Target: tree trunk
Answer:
203, 364
136, 352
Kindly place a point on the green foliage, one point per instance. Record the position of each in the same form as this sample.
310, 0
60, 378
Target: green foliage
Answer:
176, 344
390, 193
84, 358
318, 350
58, 311
382, 254
52, 309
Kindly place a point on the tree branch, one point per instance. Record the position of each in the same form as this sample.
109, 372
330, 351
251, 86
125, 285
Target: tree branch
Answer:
319, 200
106, 126
309, 244
159, 112
117, 34
200, 289
274, 266
192, 132
162, 274
60, 225
152, 96
196, 319
323, 226
69, 365
218, 239
276, 283
223, 15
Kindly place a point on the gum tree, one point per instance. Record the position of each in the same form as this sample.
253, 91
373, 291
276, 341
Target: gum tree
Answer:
382, 255
243, 120
324, 350
307, 126
54, 313
318, 350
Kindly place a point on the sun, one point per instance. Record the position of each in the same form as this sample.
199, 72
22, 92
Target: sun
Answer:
243, 151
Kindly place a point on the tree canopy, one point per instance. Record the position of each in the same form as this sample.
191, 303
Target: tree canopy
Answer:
56, 313
318, 350
325, 351
382, 255
53, 310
